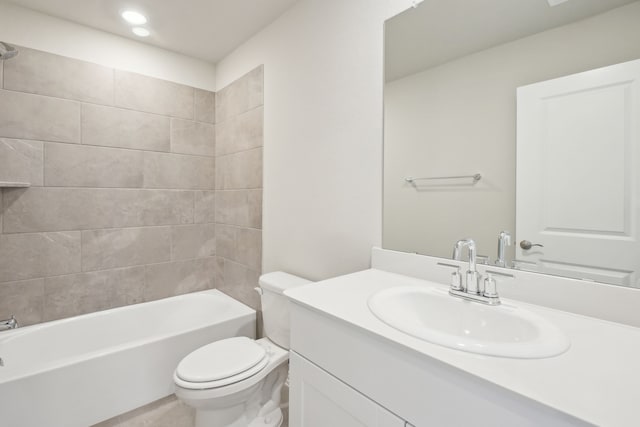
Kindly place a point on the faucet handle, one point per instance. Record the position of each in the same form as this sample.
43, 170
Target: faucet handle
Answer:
490, 288
456, 277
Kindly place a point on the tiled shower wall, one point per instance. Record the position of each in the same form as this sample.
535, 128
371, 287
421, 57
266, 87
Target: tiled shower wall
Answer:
122, 207
239, 140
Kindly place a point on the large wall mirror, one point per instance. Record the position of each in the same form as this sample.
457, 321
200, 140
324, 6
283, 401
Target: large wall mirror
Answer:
519, 116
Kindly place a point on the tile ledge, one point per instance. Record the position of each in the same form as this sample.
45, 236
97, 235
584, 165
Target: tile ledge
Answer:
13, 184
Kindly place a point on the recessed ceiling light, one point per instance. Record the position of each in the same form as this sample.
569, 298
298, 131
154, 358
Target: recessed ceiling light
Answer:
133, 17
139, 31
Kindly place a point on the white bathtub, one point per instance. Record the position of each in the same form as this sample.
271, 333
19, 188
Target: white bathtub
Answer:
86, 369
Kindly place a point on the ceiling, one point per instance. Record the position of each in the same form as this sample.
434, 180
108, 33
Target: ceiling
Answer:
205, 29
439, 31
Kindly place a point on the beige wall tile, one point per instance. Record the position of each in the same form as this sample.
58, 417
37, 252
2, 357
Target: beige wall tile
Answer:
71, 165
178, 171
240, 170
242, 208
232, 207
72, 295
28, 256
254, 209
255, 79
14, 164
226, 241
22, 299
189, 137
193, 241
249, 248
219, 272
180, 277
205, 106
44, 73
21, 161
103, 249
224, 110
152, 95
205, 207
241, 245
240, 133
27, 116
167, 412
240, 96
116, 127
53, 209
239, 282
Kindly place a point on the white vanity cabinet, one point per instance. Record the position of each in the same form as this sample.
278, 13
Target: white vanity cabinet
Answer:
319, 399
349, 369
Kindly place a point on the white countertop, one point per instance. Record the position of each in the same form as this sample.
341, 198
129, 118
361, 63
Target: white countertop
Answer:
597, 380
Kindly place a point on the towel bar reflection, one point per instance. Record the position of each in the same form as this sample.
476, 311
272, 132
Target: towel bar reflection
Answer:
477, 177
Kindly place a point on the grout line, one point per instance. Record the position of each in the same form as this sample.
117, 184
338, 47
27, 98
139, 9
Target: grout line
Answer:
111, 147
128, 227
260, 147
240, 227
127, 267
75, 187
237, 263
209, 190
237, 115
239, 189
98, 104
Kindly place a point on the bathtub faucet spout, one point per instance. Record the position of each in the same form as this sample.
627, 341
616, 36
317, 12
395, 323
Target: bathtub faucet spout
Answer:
10, 323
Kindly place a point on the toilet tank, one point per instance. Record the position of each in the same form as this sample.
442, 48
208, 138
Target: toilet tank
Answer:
275, 306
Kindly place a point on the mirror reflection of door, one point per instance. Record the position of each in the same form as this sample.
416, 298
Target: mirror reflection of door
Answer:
578, 166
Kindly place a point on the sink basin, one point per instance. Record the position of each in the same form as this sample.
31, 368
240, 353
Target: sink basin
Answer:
433, 315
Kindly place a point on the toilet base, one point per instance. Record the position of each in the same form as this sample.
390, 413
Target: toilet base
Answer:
258, 406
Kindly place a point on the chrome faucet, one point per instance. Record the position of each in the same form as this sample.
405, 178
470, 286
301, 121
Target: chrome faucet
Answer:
472, 284
504, 240
7, 324
471, 288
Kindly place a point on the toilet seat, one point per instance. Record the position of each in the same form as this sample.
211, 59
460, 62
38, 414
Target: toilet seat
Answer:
221, 363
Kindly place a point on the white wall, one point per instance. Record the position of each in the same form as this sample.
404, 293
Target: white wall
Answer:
460, 118
28, 28
323, 133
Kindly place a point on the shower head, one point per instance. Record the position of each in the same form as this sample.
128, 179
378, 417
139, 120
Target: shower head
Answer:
7, 51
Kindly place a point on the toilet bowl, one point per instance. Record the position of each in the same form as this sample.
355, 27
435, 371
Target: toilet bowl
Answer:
237, 382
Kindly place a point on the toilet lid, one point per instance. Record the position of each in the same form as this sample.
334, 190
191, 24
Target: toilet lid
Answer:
221, 359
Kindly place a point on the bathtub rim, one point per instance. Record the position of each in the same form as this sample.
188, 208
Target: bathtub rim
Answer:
243, 311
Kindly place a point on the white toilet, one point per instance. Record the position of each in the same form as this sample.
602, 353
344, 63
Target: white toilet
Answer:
237, 382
